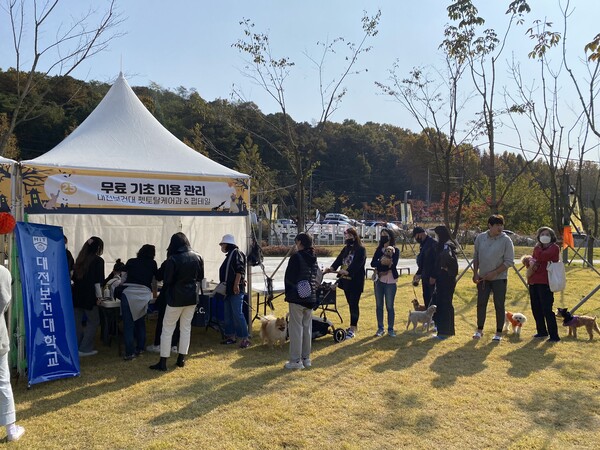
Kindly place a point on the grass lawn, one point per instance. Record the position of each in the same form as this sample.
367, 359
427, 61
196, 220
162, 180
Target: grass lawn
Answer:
374, 393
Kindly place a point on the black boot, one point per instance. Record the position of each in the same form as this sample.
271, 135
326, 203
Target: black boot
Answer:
180, 360
161, 365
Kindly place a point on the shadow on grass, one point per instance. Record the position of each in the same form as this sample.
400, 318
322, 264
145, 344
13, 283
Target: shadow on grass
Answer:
464, 362
529, 358
412, 349
561, 409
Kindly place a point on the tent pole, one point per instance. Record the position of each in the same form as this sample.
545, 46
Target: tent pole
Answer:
248, 266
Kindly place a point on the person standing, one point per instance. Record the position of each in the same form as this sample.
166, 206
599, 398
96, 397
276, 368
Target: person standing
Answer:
302, 267
183, 270
88, 276
385, 282
135, 292
493, 255
443, 278
542, 298
425, 262
351, 276
8, 416
233, 271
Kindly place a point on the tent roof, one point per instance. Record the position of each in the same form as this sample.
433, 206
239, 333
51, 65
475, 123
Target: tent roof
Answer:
122, 135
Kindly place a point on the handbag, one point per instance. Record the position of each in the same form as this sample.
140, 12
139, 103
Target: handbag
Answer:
304, 289
221, 288
557, 278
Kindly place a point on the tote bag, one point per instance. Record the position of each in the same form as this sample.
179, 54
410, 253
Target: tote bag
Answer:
557, 278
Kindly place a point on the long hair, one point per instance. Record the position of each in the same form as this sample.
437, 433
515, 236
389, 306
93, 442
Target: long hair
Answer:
178, 240
357, 241
443, 235
93, 247
391, 241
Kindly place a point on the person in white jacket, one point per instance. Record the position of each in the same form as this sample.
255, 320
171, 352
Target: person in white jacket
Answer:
7, 404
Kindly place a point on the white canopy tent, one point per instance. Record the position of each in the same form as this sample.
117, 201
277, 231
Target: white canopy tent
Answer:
125, 178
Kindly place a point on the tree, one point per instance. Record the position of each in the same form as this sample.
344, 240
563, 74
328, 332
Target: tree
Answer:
61, 54
271, 72
481, 53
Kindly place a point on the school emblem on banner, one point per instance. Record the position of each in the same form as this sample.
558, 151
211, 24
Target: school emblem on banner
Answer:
40, 243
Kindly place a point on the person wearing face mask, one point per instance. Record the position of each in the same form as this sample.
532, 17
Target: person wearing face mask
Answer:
425, 262
351, 276
385, 283
542, 298
302, 266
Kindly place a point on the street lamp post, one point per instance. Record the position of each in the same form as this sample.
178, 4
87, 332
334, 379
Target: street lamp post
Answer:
405, 219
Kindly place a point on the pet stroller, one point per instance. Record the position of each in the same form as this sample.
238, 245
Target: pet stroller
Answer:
321, 326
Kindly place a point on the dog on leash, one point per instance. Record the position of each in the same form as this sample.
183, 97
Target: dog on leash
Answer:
424, 317
574, 322
417, 306
530, 264
514, 321
273, 330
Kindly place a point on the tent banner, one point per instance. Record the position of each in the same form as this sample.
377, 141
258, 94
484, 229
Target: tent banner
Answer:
5, 187
70, 191
51, 341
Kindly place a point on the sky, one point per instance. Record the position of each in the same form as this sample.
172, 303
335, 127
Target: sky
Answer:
189, 43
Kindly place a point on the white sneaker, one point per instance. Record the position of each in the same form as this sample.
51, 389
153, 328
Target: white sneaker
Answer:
306, 362
174, 349
15, 434
153, 348
90, 353
294, 365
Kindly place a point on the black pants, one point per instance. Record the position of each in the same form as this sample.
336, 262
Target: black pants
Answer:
353, 298
427, 291
484, 288
542, 302
444, 314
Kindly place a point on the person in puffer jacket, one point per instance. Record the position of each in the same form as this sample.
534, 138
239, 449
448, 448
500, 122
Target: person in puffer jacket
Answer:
301, 295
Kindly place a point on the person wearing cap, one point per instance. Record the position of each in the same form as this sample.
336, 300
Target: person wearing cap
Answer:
493, 255
184, 269
425, 262
233, 271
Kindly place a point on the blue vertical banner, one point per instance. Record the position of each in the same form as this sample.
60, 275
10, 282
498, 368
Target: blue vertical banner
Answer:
51, 341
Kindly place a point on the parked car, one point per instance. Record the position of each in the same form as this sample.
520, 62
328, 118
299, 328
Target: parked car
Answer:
337, 216
284, 222
335, 222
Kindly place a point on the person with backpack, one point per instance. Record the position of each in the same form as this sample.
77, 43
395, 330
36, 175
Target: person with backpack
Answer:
443, 277
301, 294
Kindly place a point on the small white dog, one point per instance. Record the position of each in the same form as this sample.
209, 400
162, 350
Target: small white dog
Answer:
514, 321
273, 330
424, 317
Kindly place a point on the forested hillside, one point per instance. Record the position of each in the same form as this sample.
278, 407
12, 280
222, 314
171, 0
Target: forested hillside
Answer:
363, 169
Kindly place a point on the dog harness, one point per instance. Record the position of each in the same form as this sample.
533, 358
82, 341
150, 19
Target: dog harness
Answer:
574, 322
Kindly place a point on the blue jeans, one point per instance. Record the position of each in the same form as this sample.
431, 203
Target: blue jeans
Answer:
387, 292
235, 322
132, 329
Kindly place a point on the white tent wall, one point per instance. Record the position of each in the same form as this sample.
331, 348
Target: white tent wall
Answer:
123, 235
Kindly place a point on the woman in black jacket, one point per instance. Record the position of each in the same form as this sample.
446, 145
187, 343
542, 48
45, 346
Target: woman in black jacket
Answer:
351, 276
88, 276
302, 267
233, 271
183, 270
444, 278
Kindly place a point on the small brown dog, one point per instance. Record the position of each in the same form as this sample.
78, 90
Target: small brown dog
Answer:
417, 306
273, 330
424, 317
530, 265
574, 322
388, 256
